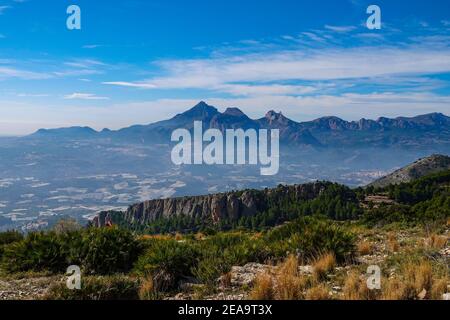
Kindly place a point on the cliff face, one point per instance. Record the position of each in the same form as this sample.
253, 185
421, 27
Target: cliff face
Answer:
216, 207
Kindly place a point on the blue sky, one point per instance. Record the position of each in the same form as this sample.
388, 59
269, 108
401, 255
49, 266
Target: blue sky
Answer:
142, 61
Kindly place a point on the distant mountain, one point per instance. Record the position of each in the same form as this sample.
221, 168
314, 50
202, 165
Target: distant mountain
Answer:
328, 132
72, 132
418, 169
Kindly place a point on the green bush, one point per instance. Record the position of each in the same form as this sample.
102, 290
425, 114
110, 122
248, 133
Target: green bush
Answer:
309, 237
108, 250
117, 287
39, 251
168, 259
97, 251
9, 237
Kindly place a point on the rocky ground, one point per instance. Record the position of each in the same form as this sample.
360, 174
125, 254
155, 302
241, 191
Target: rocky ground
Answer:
26, 288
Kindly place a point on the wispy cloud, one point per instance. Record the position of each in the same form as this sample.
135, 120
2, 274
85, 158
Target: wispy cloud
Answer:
4, 8
84, 96
316, 65
340, 28
11, 72
91, 46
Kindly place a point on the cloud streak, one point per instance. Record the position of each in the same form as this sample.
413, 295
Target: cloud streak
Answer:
84, 96
252, 73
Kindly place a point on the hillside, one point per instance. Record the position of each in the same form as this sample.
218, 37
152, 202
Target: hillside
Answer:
420, 168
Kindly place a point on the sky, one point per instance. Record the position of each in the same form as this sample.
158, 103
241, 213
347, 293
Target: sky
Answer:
137, 62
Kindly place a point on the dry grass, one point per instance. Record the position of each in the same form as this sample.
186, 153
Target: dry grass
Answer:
439, 288
436, 241
200, 236
418, 277
392, 243
416, 283
355, 288
147, 289
290, 284
178, 236
323, 265
393, 289
318, 292
263, 288
365, 248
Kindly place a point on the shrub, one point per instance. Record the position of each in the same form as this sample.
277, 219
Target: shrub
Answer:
167, 261
117, 287
208, 269
39, 251
108, 250
99, 251
9, 237
309, 237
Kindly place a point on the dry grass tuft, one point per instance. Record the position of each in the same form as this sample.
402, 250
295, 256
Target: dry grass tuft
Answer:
393, 289
418, 277
436, 241
319, 292
392, 242
323, 265
147, 289
355, 288
439, 288
290, 284
263, 288
365, 248
416, 283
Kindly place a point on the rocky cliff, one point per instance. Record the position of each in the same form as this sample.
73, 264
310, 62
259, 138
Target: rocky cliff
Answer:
216, 207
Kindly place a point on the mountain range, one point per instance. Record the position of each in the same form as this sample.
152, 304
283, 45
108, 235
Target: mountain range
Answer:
323, 132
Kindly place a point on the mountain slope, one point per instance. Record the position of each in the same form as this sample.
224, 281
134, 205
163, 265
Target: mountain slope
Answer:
418, 169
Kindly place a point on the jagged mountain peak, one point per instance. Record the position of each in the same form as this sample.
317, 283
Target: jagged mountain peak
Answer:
274, 117
234, 112
201, 109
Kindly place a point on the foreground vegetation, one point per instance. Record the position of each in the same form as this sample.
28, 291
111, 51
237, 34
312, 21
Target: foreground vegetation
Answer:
317, 249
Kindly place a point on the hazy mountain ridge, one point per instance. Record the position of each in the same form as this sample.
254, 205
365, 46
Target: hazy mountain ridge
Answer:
325, 131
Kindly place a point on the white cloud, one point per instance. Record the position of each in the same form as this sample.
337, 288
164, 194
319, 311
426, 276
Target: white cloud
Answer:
84, 96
